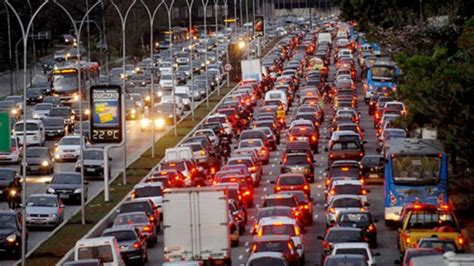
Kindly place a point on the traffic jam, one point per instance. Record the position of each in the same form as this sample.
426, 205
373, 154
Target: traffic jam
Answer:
307, 166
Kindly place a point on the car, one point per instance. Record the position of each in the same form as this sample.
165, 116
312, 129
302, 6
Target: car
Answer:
139, 220
355, 248
279, 225
305, 207
131, 112
298, 163
362, 220
41, 110
11, 108
34, 96
254, 167
39, 160
345, 150
7, 178
373, 168
346, 187
67, 186
342, 203
93, 162
411, 253
169, 178
152, 191
345, 259
188, 168
69, 148
167, 112
305, 133
267, 258
54, 127
283, 244
262, 151
145, 205
133, 245
292, 182
11, 233
65, 113
335, 235
44, 210
438, 243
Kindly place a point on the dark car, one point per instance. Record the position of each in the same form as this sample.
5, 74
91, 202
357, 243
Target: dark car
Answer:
362, 220
345, 150
34, 96
167, 111
85, 110
68, 187
305, 133
66, 114
142, 205
7, 177
10, 233
334, 235
54, 127
133, 245
301, 163
39, 160
54, 100
373, 168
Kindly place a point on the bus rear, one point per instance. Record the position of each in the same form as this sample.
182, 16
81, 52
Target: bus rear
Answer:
380, 75
415, 170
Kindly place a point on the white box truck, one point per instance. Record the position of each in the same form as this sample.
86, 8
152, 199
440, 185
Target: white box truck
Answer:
324, 37
196, 225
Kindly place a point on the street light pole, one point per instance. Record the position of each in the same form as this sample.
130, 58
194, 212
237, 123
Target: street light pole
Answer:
226, 41
10, 50
169, 9
123, 20
151, 112
204, 4
191, 40
216, 6
25, 32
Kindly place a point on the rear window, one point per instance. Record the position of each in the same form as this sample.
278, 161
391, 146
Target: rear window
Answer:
122, 235
275, 212
178, 166
345, 172
152, 191
356, 251
29, 127
135, 218
348, 189
296, 159
278, 229
291, 180
272, 246
135, 207
343, 236
103, 253
345, 146
288, 202
346, 203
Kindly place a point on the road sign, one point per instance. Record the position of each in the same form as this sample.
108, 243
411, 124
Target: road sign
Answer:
5, 132
259, 26
106, 114
228, 67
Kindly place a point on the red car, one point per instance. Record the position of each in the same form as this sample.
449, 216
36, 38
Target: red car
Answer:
292, 182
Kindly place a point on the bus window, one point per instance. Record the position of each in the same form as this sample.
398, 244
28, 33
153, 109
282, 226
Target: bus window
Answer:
416, 169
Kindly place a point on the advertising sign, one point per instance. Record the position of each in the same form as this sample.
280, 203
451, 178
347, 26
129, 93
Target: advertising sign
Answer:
106, 114
5, 131
259, 26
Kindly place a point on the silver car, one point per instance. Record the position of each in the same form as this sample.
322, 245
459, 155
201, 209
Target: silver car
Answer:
93, 162
44, 210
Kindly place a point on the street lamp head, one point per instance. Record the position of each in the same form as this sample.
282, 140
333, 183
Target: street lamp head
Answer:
241, 44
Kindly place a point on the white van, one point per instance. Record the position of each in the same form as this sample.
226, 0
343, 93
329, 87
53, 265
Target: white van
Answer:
179, 154
185, 94
273, 95
34, 132
105, 249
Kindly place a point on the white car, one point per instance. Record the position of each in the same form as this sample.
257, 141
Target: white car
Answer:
165, 67
340, 203
178, 101
41, 110
347, 187
282, 225
355, 248
167, 81
209, 133
68, 148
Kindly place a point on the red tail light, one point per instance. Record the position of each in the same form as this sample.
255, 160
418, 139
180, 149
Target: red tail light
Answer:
314, 138
306, 187
332, 210
292, 138
151, 219
332, 192
364, 192
278, 188
137, 245
306, 207
253, 169
370, 228
147, 229
247, 193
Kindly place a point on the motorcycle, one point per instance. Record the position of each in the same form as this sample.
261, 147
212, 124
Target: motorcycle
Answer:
225, 148
13, 198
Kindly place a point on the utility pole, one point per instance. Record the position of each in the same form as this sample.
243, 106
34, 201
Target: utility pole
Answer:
10, 51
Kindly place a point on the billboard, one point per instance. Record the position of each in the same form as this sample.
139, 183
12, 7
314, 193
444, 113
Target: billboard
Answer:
106, 114
259, 26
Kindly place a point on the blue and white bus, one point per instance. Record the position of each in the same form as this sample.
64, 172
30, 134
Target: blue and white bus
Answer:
415, 170
382, 74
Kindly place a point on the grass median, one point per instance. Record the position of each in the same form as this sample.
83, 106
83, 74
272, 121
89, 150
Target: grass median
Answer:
53, 249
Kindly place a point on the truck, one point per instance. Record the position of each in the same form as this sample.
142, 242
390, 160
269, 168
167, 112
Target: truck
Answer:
324, 37
251, 69
196, 225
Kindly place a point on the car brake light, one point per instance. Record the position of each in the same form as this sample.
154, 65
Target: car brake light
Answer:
314, 138
370, 228
137, 245
332, 210
278, 188
364, 192
151, 219
461, 241
306, 187
408, 240
247, 193
147, 229
332, 192
297, 231
253, 169
306, 206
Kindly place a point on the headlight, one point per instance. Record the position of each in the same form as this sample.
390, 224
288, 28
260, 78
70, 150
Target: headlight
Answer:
77, 190
51, 190
14, 111
170, 116
133, 111
75, 97
145, 122
160, 122
147, 98
11, 238
54, 215
40, 97
45, 163
87, 112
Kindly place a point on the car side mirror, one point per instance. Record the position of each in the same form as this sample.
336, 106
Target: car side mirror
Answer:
364, 142
56, 144
61, 206
110, 158
367, 190
272, 182
320, 237
326, 149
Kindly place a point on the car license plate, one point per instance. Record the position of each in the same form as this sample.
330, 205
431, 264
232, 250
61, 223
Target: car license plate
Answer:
302, 138
373, 175
34, 168
90, 169
50, 134
64, 196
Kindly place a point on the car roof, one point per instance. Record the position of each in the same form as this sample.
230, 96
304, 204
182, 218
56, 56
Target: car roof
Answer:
153, 184
344, 228
45, 195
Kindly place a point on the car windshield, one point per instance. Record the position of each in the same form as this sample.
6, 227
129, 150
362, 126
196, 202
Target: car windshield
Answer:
134, 218
416, 169
93, 155
274, 212
273, 246
346, 203
288, 202
430, 220
8, 221
343, 236
348, 189
70, 141
383, 73
127, 235
250, 143
355, 251
267, 261
135, 206
103, 253
349, 219
37, 153
165, 107
29, 127
42, 202
53, 122
151, 191
65, 82
66, 179
59, 112
278, 229
291, 180
43, 107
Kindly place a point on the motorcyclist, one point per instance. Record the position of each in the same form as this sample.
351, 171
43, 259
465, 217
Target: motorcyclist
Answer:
14, 193
224, 146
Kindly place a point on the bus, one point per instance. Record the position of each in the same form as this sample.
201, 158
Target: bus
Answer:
382, 74
416, 170
65, 83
